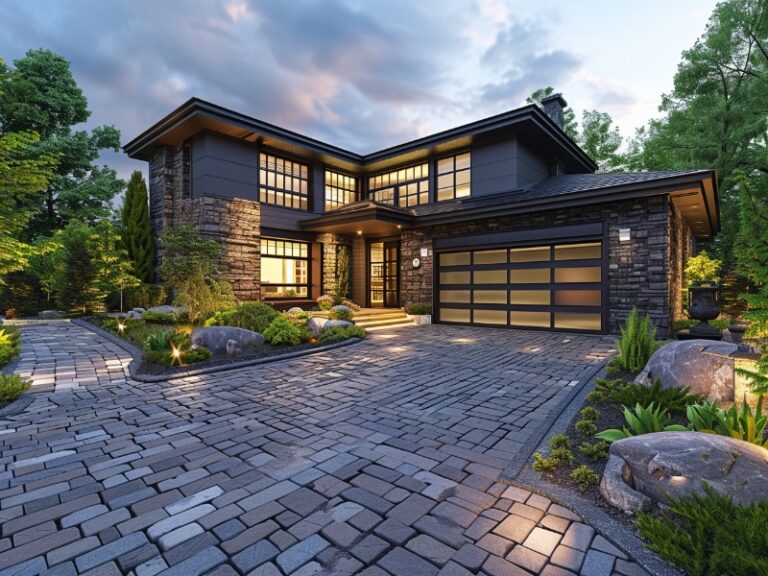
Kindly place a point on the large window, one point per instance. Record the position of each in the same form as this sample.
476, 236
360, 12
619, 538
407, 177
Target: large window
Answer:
283, 182
284, 269
453, 177
404, 187
340, 190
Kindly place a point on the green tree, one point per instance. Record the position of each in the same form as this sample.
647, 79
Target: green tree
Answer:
40, 94
136, 230
343, 272
78, 285
571, 127
601, 140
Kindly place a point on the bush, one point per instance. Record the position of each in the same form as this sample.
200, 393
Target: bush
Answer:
594, 451
144, 296
560, 441
419, 309
586, 427
702, 270
742, 424
642, 421
673, 400
171, 347
557, 457
282, 332
12, 386
202, 297
163, 317
300, 319
590, 413
709, 535
325, 302
10, 344
254, 316
585, 477
341, 314
636, 344
341, 333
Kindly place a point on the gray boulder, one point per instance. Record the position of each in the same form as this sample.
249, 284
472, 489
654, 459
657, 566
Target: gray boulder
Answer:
704, 365
295, 310
342, 308
227, 339
49, 314
642, 470
316, 324
138, 310
336, 324
133, 315
167, 309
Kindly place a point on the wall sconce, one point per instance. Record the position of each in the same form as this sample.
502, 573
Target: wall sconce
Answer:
624, 235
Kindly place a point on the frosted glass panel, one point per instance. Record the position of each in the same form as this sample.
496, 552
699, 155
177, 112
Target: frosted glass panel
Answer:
529, 297
577, 251
491, 296
490, 276
577, 298
454, 277
454, 259
491, 317
534, 254
577, 321
588, 274
529, 276
454, 296
537, 319
491, 257
454, 315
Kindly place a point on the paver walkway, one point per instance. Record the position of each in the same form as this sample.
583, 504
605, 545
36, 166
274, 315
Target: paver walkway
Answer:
379, 458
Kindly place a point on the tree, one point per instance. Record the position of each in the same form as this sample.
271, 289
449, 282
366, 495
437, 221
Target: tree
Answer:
343, 272
601, 141
40, 94
570, 126
136, 230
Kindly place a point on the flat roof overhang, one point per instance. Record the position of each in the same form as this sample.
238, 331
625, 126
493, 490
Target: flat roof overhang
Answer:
361, 219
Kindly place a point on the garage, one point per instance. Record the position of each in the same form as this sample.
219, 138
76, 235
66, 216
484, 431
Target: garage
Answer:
535, 285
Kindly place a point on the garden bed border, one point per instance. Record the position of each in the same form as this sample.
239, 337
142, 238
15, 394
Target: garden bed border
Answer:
137, 356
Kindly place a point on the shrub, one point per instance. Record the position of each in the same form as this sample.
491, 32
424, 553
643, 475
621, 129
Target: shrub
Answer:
255, 316
163, 317
341, 314
742, 424
595, 451
420, 309
10, 344
300, 319
636, 344
325, 302
585, 477
641, 421
12, 386
144, 296
341, 333
586, 427
172, 347
673, 400
702, 270
282, 331
709, 535
590, 413
202, 297
560, 441
557, 457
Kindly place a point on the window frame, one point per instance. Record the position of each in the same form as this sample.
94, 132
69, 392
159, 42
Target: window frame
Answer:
307, 259
357, 191
265, 188
453, 172
370, 191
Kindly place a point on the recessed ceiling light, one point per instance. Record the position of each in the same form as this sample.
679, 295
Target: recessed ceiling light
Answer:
359, 232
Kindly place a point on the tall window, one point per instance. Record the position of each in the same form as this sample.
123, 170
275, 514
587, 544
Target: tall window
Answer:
283, 182
453, 177
284, 269
186, 167
404, 187
340, 190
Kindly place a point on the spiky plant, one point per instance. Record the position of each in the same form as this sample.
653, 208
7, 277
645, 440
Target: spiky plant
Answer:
636, 344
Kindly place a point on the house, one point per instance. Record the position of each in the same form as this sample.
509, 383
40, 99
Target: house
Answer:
501, 222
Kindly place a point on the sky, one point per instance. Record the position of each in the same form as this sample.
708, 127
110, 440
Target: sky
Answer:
360, 74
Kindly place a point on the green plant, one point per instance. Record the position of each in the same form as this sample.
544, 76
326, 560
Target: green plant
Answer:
560, 441
558, 457
163, 317
136, 232
595, 451
742, 424
344, 314
341, 333
683, 324
673, 400
590, 413
419, 309
584, 477
282, 331
641, 420
636, 344
10, 344
12, 386
586, 427
343, 272
325, 302
709, 534
702, 270
144, 296
255, 316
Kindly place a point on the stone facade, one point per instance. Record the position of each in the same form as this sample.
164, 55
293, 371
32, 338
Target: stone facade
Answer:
416, 283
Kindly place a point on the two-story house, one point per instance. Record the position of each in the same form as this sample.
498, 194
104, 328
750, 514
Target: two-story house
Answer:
501, 222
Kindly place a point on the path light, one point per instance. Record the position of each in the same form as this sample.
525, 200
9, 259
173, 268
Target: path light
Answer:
120, 326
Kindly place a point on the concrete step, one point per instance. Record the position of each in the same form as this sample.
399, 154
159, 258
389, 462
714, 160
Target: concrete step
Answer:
382, 322
397, 326
395, 314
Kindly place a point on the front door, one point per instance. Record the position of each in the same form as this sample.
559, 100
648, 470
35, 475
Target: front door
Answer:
384, 274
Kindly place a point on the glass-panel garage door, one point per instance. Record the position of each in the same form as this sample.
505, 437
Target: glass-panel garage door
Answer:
555, 286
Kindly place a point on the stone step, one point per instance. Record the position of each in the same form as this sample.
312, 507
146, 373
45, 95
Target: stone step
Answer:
394, 314
398, 325
383, 322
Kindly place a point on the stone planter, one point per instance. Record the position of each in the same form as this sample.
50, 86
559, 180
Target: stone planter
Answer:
704, 306
420, 319
737, 332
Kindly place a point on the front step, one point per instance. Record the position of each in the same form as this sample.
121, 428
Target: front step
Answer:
384, 322
387, 316
372, 319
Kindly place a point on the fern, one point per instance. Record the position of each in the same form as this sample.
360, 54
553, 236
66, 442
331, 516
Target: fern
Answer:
636, 344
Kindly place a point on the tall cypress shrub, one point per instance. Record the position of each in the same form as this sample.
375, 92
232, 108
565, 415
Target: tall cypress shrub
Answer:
136, 231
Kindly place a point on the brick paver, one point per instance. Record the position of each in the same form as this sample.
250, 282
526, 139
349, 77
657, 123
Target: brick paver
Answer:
381, 458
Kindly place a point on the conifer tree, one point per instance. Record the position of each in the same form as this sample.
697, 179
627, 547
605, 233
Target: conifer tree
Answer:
136, 231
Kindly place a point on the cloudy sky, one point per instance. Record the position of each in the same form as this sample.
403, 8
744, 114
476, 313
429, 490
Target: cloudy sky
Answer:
361, 74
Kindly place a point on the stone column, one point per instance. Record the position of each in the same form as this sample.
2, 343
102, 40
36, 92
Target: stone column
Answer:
330, 248
416, 283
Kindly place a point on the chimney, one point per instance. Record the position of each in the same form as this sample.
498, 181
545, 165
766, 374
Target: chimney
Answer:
553, 107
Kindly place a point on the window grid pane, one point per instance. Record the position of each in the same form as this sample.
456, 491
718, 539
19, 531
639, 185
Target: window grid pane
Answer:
340, 190
284, 268
404, 187
283, 182
454, 176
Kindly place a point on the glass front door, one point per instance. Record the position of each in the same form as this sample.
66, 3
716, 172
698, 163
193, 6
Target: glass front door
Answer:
384, 274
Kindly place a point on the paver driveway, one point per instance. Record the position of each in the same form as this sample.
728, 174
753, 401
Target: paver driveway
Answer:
378, 458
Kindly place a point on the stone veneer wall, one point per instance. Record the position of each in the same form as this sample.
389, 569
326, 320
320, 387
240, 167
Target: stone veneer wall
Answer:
639, 272
165, 188
330, 244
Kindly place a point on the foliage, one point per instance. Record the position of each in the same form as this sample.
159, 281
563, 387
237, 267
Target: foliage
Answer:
203, 297
12, 386
601, 140
636, 344
22, 293
571, 127
341, 314
325, 302
300, 320
163, 317
419, 309
282, 331
590, 413
145, 296
341, 333
641, 420
560, 441
709, 535
172, 347
343, 272
557, 457
255, 316
135, 229
595, 450
702, 270
10, 344
742, 424
673, 400
586, 427
584, 477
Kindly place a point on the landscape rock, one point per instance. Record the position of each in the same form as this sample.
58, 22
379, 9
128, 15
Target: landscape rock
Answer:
167, 309
133, 315
642, 470
138, 310
295, 310
227, 339
336, 324
316, 324
342, 308
704, 365
50, 314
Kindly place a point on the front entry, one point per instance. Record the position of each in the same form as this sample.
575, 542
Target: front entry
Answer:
384, 274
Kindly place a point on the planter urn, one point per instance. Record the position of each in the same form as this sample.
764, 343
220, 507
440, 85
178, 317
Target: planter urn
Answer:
704, 306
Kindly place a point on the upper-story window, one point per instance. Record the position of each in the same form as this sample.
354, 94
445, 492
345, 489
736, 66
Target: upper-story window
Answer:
186, 168
283, 182
340, 190
453, 177
404, 187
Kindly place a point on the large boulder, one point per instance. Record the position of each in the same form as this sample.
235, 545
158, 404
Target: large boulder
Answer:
342, 308
295, 310
227, 340
704, 365
167, 309
642, 470
336, 324
316, 324
50, 314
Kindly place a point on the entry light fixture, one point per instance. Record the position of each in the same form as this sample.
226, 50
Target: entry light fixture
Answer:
359, 232
624, 235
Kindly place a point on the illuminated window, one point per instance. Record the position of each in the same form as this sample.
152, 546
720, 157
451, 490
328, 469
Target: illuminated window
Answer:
186, 164
340, 190
284, 269
283, 182
453, 177
404, 187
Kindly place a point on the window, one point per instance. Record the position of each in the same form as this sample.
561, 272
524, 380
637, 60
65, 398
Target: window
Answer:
186, 166
404, 187
340, 190
283, 182
284, 269
453, 177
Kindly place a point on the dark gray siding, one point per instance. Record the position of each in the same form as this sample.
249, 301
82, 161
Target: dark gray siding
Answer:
494, 167
224, 167
531, 166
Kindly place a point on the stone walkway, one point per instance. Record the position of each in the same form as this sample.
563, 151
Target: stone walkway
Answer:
379, 458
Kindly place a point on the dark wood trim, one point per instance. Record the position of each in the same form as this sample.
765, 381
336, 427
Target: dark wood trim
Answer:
384, 241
